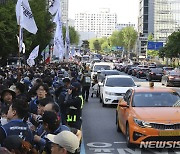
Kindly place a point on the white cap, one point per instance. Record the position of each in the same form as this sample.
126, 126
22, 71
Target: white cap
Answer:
65, 139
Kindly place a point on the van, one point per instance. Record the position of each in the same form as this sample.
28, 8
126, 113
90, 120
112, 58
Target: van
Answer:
101, 66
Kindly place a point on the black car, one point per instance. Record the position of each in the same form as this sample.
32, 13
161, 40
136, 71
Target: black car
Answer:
142, 72
154, 74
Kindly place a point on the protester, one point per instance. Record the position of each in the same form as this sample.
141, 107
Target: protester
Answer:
63, 143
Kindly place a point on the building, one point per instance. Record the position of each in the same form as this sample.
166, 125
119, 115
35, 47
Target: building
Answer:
166, 18
64, 9
145, 25
121, 26
102, 24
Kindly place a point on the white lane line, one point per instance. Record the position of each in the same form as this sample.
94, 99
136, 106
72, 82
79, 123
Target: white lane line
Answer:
119, 142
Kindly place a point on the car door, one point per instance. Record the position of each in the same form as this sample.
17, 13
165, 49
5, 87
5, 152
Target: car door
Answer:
123, 111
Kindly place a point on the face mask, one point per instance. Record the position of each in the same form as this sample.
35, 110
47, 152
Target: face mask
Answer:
3, 121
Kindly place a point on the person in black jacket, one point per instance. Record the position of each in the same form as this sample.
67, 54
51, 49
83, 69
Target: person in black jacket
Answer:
74, 104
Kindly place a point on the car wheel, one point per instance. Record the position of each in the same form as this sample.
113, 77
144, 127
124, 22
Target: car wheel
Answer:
129, 144
100, 99
166, 84
103, 105
117, 123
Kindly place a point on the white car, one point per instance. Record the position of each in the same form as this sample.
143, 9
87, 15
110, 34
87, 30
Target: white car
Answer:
114, 88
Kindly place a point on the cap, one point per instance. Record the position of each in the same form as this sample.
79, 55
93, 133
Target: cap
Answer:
65, 139
12, 142
76, 84
9, 91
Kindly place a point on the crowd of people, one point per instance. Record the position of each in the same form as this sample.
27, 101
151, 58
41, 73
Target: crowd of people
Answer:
41, 108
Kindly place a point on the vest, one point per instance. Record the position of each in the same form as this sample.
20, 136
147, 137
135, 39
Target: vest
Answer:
18, 127
74, 114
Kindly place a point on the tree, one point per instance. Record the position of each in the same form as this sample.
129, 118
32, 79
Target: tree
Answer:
9, 28
129, 38
73, 35
116, 38
150, 37
85, 44
97, 45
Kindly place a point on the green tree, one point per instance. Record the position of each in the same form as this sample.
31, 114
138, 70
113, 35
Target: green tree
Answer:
150, 37
85, 44
9, 28
97, 45
73, 35
116, 39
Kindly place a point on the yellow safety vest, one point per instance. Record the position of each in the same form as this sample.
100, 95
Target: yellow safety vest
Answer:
71, 118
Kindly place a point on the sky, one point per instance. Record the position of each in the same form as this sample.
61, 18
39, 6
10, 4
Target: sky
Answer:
126, 10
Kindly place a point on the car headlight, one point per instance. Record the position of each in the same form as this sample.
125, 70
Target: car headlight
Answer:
109, 93
142, 123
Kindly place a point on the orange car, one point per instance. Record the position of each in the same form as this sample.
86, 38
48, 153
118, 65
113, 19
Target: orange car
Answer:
149, 114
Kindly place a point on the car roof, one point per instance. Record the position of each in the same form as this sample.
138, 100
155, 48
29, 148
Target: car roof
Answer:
149, 89
118, 76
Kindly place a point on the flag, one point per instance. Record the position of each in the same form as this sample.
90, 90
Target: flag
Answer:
21, 43
54, 5
67, 42
25, 17
34, 53
30, 62
45, 54
58, 37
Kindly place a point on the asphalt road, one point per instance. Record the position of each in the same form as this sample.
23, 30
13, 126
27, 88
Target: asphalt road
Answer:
99, 130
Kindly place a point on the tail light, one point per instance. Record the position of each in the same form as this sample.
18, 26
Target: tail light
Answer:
140, 72
171, 77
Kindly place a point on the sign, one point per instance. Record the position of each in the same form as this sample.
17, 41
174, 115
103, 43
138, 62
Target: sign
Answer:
154, 45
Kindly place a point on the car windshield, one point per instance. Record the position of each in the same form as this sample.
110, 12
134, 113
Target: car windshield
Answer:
175, 73
111, 73
120, 82
101, 67
156, 99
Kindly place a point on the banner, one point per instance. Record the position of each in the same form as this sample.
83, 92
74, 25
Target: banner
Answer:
58, 37
30, 62
25, 17
54, 5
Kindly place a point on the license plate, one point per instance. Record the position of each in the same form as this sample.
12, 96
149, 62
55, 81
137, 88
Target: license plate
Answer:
169, 133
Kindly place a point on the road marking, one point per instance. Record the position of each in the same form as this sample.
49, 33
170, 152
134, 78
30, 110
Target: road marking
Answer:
120, 142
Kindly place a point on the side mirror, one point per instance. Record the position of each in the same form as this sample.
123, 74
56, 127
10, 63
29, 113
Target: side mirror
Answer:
138, 85
123, 104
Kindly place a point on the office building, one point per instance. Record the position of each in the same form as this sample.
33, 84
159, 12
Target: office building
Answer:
64, 9
121, 26
102, 24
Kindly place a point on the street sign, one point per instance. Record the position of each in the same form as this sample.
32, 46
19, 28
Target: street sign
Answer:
154, 45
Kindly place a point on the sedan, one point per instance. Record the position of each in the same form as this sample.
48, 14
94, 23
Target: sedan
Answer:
171, 78
114, 88
154, 74
149, 114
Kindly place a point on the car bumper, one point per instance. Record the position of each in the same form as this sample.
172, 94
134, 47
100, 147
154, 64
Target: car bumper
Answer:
138, 134
108, 99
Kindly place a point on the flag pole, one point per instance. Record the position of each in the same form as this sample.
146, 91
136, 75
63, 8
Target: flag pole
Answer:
19, 76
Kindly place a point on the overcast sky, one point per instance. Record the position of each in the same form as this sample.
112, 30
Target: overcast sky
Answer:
126, 10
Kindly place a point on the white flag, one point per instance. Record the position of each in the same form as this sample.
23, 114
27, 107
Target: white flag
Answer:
67, 42
25, 17
21, 43
30, 62
58, 37
34, 53
54, 5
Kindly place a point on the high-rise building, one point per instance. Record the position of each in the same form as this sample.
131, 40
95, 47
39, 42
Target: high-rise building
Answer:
64, 9
121, 26
102, 24
166, 18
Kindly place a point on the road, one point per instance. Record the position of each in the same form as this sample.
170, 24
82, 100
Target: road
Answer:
99, 130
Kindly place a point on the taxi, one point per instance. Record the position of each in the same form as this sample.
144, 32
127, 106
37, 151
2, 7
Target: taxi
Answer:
149, 114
